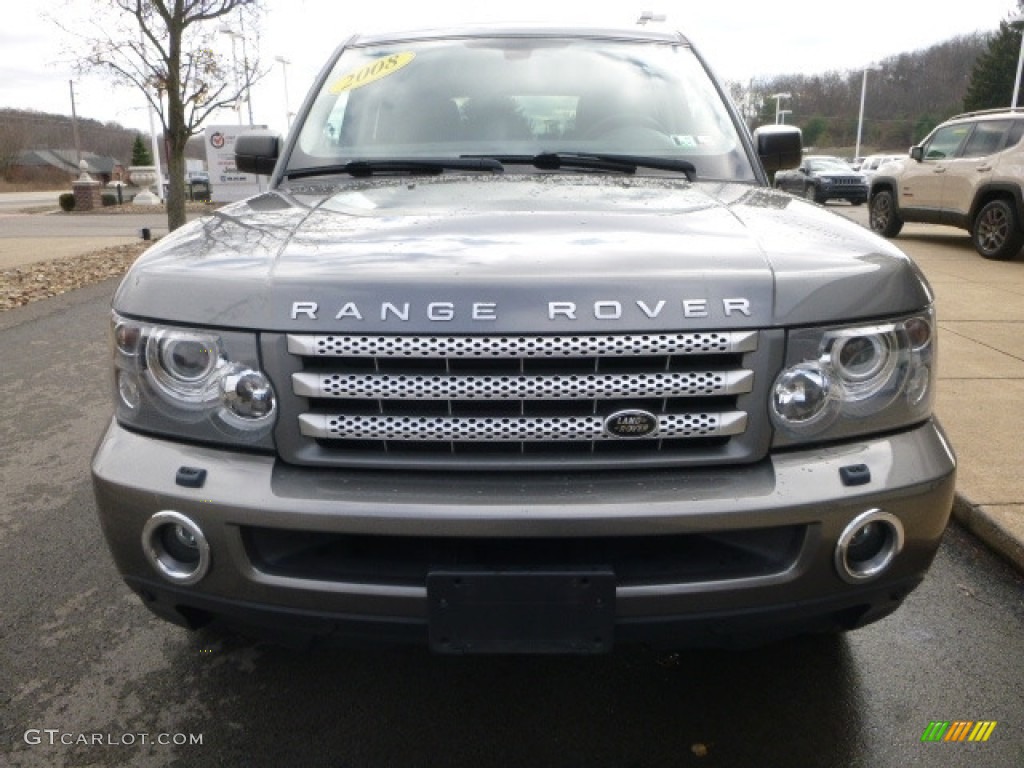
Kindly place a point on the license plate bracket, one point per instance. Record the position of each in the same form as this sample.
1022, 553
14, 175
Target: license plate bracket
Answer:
521, 611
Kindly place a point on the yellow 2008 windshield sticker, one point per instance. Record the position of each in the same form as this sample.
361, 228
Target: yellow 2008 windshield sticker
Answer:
375, 70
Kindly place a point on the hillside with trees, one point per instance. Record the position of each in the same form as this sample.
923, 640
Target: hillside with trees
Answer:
905, 98
22, 130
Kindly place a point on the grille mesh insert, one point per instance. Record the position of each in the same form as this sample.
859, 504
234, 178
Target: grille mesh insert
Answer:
522, 346
487, 387
480, 429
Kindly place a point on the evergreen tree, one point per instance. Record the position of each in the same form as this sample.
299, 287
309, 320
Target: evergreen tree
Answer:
992, 78
140, 153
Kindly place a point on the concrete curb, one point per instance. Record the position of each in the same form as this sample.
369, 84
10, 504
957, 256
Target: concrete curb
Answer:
989, 530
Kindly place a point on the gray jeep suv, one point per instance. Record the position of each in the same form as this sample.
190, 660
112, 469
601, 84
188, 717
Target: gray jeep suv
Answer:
520, 353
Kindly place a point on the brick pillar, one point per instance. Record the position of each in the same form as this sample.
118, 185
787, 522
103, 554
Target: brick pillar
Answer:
87, 194
87, 191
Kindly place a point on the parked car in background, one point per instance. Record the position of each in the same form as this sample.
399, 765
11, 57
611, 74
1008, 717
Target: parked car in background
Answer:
821, 178
872, 163
968, 173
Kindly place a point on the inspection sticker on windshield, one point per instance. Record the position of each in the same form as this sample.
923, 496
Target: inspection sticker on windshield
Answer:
375, 70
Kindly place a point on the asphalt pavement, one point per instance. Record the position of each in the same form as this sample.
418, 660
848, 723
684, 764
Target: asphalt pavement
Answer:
980, 399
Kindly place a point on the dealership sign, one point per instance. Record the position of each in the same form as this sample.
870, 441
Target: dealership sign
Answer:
227, 183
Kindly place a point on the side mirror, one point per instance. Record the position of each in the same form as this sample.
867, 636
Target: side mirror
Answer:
780, 147
257, 152
917, 153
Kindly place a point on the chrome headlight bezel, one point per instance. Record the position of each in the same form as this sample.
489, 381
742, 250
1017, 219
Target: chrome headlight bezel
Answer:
192, 383
846, 381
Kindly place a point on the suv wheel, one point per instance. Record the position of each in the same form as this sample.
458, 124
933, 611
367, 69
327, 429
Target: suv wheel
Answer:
883, 217
811, 193
996, 233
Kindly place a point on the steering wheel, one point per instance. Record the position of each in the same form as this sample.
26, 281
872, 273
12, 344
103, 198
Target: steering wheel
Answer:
621, 120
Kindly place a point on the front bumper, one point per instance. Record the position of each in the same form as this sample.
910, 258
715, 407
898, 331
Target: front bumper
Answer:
698, 557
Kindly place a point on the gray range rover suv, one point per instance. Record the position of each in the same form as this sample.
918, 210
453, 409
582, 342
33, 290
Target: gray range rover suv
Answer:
520, 353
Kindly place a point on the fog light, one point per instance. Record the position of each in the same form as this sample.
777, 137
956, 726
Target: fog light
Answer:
176, 547
180, 543
868, 545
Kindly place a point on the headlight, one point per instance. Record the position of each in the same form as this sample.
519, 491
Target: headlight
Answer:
805, 399
191, 383
183, 364
842, 382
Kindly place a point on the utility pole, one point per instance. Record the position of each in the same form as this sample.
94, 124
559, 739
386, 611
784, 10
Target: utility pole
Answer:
74, 126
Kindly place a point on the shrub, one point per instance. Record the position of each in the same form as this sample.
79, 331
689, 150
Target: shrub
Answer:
109, 199
67, 202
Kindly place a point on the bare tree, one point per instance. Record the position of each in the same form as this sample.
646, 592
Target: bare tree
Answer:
166, 49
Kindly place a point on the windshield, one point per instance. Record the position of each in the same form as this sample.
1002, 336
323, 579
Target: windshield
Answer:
514, 97
829, 164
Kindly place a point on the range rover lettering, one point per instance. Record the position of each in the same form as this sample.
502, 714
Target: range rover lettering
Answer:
520, 353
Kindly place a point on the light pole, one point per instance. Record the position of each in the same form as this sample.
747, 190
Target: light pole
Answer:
1017, 21
153, 142
778, 97
245, 70
284, 75
860, 119
156, 150
234, 68
646, 16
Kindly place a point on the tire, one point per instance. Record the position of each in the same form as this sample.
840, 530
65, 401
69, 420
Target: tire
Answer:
996, 231
882, 215
811, 193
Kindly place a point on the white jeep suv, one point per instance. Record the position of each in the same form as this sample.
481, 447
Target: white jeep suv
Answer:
967, 173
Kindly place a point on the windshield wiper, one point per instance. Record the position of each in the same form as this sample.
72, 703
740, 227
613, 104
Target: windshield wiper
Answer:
414, 165
599, 161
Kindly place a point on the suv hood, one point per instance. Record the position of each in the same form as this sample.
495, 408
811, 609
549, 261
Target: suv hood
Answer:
511, 254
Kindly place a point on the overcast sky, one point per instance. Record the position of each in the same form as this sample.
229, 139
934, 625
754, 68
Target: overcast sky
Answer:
742, 39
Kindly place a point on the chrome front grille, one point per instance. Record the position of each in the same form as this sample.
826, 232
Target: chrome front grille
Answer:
519, 401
